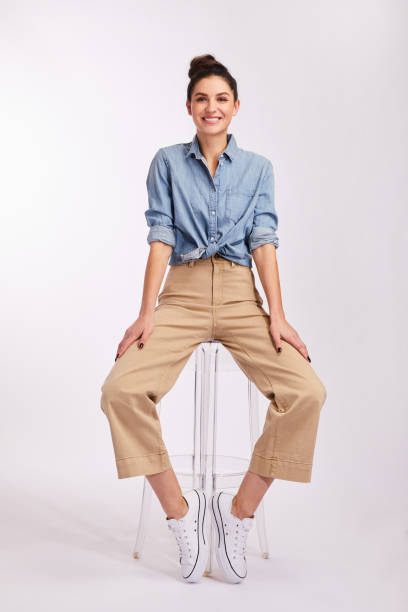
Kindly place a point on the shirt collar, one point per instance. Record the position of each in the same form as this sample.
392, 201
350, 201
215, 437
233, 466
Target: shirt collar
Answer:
230, 151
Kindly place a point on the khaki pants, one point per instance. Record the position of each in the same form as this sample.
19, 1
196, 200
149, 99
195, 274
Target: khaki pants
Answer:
201, 300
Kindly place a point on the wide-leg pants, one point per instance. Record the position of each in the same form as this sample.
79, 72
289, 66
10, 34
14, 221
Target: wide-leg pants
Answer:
201, 300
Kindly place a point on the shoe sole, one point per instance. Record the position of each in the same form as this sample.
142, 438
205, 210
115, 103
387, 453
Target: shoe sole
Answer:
220, 549
203, 544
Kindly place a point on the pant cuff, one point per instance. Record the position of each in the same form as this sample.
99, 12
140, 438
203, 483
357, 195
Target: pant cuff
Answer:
273, 467
143, 465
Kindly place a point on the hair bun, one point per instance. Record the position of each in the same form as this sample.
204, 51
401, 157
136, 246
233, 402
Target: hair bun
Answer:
201, 62
206, 65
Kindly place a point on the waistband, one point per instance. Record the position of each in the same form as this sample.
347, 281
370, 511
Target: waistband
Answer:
216, 258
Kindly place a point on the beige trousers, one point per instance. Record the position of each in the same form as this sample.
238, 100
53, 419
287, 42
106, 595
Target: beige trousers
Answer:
201, 300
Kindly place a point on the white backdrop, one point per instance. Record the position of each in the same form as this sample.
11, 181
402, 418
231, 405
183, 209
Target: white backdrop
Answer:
90, 91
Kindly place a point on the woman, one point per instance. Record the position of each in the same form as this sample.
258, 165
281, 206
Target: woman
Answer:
211, 211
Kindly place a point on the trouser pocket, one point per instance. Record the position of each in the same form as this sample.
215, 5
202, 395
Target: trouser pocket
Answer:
278, 404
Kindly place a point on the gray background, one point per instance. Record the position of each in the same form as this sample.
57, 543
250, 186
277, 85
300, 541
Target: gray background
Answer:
90, 91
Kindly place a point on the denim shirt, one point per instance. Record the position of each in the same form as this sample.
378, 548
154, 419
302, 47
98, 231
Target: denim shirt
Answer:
198, 215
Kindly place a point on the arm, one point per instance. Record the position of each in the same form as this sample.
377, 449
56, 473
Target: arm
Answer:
162, 239
141, 329
162, 235
266, 263
263, 242
155, 268
267, 266
160, 213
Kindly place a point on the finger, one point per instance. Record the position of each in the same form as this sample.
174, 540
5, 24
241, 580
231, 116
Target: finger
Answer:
277, 341
123, 346
305, 352
142, 340
118, 352
301, 347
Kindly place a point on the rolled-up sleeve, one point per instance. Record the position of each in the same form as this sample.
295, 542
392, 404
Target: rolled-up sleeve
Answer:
159, 215
265, 222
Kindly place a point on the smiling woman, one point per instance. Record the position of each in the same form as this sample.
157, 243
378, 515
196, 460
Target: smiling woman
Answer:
211, 213
216, 106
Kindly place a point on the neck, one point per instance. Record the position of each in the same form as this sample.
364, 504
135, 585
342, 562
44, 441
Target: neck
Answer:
211, 146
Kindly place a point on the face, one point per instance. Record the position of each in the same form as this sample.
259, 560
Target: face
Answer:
212, 98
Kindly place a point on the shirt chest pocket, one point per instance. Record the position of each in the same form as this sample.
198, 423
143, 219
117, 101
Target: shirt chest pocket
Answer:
237, 203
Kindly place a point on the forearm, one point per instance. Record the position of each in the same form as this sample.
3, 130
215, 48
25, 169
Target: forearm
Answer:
267, 266
155, 268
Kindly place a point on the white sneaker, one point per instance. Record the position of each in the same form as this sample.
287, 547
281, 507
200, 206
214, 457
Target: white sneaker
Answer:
191, 536
231, 537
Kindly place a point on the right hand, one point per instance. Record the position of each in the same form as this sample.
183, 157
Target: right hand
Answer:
140, 330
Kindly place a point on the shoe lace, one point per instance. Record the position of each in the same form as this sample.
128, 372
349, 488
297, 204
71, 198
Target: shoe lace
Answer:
184, 531
239, 534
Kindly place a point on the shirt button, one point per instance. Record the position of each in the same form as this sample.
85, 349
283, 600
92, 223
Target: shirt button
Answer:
213, 212
212, 238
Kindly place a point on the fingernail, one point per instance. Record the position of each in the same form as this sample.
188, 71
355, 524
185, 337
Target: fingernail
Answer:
309, 359
117, 355
141, 345
279, 349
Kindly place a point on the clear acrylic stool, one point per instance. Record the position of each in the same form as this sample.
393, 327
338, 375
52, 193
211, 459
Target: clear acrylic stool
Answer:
204, 468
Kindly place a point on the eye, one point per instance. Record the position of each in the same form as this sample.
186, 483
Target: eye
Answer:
201, 98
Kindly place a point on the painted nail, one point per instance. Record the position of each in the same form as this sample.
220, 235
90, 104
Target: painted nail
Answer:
141, 345
309, 359
279, 349
117, 355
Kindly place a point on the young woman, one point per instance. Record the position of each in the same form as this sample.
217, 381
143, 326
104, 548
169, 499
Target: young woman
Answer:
211, 211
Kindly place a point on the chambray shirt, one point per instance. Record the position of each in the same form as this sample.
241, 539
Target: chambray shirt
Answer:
198, 215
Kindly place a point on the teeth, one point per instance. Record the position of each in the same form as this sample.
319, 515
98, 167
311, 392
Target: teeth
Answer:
211, 120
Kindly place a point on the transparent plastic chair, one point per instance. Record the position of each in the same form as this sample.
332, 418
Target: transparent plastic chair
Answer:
204, 468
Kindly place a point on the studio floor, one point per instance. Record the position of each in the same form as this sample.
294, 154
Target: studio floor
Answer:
70, 548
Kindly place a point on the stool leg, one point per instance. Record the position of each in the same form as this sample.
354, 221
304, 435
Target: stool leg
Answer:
254, 435
143, 519
214, 414
208, 412
144, 513
197, 459
204, 410
214, 356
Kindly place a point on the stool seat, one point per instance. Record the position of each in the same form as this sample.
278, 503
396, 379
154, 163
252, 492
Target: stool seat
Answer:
204, 468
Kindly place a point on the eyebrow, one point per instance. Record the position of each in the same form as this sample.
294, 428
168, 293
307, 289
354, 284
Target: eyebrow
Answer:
199, 93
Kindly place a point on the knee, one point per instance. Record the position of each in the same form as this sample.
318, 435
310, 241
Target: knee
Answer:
120, 394
316, 393
111, 391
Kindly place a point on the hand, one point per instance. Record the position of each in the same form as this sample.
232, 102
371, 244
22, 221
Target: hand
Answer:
139, 330
280, 328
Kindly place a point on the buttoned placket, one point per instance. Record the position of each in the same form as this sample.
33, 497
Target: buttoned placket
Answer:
213, 201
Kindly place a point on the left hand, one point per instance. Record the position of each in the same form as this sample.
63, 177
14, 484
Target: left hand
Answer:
280, 329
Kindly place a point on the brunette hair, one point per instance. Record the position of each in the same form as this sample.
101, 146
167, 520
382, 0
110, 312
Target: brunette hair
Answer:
203, 66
